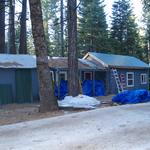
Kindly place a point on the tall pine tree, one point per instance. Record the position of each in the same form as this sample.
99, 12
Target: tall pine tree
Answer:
2, 26
124, 31
53, 16
93, 35
146, 16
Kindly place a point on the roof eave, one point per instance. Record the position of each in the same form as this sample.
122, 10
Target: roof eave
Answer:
128, 67
97, 59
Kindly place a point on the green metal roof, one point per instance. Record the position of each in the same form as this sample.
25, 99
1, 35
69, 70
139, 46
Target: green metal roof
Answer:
119, 60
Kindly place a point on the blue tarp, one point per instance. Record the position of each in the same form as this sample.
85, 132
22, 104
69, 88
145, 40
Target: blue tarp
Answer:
87, 88
132, 97
99, 88
63, 90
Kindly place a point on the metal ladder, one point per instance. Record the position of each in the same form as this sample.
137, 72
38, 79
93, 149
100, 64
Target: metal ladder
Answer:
118, 82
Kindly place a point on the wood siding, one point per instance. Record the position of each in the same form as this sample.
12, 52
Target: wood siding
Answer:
137, 79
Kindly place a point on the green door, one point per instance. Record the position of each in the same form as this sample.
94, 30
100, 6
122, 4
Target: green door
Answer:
23, 86
6, 95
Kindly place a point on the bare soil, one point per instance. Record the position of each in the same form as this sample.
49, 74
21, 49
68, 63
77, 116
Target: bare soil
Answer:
14, 113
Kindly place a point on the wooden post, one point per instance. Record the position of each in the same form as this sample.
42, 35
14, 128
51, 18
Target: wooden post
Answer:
93, 79
58, 84
80, 81
107, 81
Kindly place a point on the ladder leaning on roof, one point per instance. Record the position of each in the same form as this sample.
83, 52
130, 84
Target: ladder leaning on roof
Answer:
117, 80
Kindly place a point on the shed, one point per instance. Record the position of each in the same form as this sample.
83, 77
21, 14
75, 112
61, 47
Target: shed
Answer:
18, 78
133, 72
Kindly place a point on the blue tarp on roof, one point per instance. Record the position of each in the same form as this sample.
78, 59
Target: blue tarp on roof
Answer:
119, 60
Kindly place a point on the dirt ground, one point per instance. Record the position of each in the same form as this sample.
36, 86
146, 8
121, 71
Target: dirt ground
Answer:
14, 113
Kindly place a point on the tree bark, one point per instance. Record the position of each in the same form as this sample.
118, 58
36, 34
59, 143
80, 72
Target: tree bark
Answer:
48, 100
73, 81
11, 31
2, 26
62, 27
23, 29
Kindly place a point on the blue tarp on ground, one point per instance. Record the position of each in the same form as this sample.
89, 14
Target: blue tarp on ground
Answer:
87, 88
132, 97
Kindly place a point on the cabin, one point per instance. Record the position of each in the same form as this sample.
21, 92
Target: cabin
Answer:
59, 68
87, 71
132, 72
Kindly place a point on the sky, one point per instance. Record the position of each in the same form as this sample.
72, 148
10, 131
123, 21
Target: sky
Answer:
137, 8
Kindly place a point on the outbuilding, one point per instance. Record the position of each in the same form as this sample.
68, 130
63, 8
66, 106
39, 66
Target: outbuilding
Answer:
18, 79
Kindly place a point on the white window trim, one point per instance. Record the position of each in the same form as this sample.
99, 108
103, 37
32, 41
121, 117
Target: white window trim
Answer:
59, 72
63, 72
88, 72
130, 79
52, 73
144, 74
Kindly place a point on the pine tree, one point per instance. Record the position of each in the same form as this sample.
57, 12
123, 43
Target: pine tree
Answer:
73, 77
23, 29
2, 26
124, 31
93, 35
62, 26
11, 30
52, 25
48, 100
146, 16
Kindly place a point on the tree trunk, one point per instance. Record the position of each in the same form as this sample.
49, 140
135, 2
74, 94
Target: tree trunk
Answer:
48, 100
11, 31
23, 29
2, 26
46, 29
72, 49
62, 27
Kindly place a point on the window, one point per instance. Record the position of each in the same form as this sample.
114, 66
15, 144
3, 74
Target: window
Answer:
143, 78
87, 75
62, 75
130, 79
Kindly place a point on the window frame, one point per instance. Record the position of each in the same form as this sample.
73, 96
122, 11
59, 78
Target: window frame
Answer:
90, 75
144, 75
63, 72
127, 79
52, 75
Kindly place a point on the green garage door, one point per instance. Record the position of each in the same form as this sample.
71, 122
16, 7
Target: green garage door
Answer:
23, 86
6, 95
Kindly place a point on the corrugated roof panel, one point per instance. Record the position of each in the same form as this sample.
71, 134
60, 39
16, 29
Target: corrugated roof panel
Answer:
17, 61
119, 60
